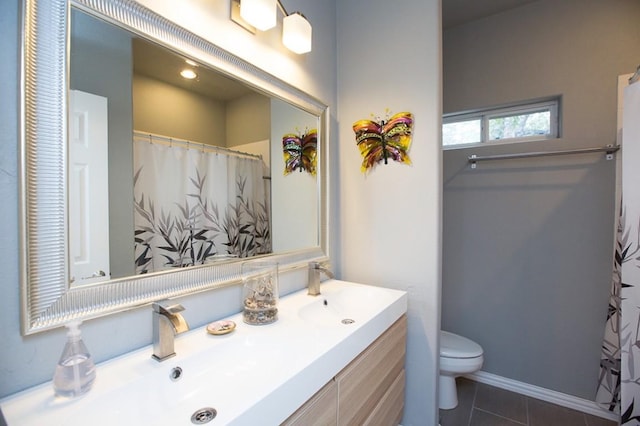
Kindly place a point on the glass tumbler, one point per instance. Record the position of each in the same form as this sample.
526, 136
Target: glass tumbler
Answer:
259, 292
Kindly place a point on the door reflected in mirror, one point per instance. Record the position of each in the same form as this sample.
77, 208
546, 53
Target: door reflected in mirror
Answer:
171, 172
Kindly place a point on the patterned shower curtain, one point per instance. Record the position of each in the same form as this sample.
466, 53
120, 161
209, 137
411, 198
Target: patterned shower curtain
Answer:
194, 206
619, 384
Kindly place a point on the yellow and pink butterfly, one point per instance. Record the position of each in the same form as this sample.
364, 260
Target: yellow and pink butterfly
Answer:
300, 151
380, 140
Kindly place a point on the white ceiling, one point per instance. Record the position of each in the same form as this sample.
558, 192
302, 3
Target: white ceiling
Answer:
457, 12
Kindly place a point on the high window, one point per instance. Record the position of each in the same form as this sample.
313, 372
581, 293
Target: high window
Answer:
517, 123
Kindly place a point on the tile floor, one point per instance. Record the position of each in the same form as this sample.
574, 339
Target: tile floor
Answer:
483, 405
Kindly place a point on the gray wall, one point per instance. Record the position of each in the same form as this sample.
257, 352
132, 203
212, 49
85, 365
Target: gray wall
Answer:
168, 110
248, 119
100, 51
294, 198
527, 250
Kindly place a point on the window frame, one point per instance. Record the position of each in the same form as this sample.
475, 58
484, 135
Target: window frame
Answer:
485, 115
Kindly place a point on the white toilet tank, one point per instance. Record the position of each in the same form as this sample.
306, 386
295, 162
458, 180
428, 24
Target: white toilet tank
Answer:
455, 346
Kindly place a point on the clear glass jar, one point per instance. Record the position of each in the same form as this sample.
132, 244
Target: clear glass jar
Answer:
259, 292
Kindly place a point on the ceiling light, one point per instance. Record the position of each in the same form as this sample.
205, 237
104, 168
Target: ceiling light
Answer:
296, 33
259, 13
190, 62
188, 73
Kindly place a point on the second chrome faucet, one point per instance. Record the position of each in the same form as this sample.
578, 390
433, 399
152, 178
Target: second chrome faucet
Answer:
315, 268
167, 322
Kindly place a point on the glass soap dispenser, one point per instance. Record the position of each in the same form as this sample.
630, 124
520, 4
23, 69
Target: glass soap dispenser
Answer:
75, 371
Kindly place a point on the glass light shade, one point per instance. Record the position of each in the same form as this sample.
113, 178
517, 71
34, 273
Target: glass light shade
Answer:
296, 33
259, 13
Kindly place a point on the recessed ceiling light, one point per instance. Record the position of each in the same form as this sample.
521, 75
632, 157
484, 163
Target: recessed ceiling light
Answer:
189, 74
190, 62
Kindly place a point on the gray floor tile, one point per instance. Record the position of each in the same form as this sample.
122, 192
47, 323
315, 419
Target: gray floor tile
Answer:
459, 416
482, 418
501, 402
483, 405
542, 413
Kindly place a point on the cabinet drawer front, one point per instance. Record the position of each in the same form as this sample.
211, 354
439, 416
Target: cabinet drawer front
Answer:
389, 410
364, 382
320, 410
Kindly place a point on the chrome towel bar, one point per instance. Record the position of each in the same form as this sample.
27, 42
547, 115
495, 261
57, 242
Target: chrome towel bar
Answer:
609, 149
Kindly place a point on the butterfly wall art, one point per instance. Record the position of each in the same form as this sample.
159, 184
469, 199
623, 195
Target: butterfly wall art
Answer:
300, 152
383, 139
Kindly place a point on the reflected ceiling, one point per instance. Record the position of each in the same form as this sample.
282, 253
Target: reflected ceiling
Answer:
157, 62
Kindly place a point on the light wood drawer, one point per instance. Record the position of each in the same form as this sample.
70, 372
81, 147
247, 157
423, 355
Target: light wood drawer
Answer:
365, 381
321, 409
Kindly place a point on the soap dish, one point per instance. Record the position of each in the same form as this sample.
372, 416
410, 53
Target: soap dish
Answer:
221, 327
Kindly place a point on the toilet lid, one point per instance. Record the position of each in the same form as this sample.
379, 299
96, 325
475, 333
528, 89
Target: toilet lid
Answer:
454, 346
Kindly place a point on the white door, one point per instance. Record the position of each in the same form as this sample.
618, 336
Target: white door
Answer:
88, 188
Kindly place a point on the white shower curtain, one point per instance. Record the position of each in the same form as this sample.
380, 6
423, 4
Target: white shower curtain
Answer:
193, 206
619, 386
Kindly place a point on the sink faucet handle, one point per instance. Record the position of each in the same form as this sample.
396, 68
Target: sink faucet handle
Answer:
322, 267
315, 268
167, 307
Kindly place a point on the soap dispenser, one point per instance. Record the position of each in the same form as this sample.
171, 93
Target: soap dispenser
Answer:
75, 371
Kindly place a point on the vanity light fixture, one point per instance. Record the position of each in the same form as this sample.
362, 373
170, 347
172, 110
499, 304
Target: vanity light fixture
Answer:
296, 29
188, 73
296, 33
259, 13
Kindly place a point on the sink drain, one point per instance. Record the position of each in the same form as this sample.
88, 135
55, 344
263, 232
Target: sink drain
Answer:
203, 415
348, 321
175, 373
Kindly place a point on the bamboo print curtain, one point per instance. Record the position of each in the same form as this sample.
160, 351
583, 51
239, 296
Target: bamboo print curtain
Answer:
619, 386
193, 206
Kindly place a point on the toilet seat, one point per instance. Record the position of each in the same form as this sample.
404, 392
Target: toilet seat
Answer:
455, 346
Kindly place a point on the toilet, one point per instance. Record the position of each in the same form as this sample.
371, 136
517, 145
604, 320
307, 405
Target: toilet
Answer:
458, 356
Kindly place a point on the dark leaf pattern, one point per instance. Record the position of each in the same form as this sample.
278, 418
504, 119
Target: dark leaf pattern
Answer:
199, 227
619, 381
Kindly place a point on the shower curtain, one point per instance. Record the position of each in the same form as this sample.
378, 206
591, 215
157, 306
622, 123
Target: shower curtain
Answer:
619, 384
193, 206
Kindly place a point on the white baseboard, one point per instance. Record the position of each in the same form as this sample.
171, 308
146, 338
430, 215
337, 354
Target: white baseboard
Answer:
558, 398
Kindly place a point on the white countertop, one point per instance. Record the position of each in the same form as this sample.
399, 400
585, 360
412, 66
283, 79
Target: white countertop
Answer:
254, 375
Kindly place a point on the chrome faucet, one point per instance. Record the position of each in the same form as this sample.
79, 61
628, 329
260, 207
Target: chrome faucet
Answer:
314, 277
167, 322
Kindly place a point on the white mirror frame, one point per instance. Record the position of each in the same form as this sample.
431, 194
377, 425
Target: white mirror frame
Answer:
47, 299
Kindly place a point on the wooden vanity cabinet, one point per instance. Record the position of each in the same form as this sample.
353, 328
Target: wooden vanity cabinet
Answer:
321, 409
368, 391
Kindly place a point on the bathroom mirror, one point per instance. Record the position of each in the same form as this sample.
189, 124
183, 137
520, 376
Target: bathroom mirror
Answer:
51, 293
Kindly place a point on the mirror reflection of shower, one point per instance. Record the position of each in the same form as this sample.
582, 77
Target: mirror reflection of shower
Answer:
145, 92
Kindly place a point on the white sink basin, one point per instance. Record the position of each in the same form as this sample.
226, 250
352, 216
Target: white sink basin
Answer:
345, 305
255, 375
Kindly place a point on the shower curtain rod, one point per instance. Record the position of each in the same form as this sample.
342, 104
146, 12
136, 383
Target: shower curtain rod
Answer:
167, 140
609, 149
